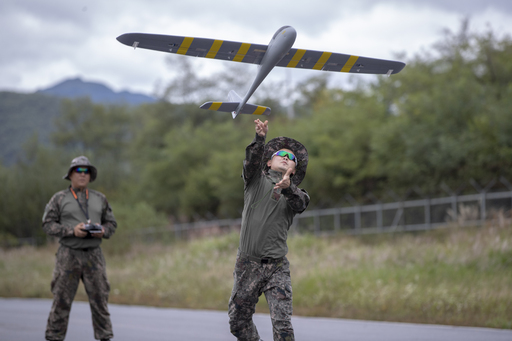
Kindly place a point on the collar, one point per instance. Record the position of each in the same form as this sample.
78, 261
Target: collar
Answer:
78, 190
275, 176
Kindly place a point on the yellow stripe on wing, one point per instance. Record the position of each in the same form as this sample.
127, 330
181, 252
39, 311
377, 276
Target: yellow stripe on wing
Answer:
187, 41
348, 65
214, 49
322, 60
259, 110
241, 52
296, 58
215, 106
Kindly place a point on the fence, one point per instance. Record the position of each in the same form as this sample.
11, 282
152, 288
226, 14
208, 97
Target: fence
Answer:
380, 217
410, 215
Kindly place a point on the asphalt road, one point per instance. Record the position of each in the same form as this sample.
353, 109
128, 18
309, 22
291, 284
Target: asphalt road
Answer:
25, 320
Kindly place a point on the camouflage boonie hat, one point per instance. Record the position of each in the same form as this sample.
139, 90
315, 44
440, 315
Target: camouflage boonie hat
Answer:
296, 147
81, 161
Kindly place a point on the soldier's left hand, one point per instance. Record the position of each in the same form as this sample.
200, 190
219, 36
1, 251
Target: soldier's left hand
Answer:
285, 181
99, 234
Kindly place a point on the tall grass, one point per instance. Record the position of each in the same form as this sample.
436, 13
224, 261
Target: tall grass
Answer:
456, 276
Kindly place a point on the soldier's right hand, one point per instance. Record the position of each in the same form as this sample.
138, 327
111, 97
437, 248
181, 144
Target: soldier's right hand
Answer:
261, 127
79, 232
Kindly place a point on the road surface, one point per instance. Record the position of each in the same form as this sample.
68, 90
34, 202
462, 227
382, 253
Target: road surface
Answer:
25, 320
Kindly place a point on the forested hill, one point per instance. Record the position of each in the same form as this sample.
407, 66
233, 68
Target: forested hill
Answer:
97, 92
23, 115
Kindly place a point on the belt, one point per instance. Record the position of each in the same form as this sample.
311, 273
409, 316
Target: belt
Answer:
85, 249
260, 260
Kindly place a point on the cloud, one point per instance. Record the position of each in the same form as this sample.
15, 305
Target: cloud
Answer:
45, 42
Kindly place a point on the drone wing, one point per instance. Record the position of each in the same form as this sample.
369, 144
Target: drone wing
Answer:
197, 47
253, 53
338, 62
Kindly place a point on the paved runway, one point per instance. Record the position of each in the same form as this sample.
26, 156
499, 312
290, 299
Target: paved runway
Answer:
25, 320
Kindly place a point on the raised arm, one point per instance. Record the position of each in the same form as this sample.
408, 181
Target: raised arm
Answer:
254, 151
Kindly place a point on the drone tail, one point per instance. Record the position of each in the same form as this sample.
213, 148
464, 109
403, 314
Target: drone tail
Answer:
236, 105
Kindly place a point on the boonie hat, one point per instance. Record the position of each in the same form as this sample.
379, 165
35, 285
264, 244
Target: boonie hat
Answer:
81, 161
296, 147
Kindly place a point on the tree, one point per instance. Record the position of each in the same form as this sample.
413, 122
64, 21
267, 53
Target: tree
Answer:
27, 186
451, 114
194, 173
102, 133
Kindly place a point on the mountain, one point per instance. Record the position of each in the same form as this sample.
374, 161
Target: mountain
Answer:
97, 92
26, 115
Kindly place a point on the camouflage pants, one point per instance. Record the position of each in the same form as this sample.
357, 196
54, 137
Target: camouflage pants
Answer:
251, 279
71, 266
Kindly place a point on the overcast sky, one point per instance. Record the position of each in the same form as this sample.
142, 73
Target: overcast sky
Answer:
45, 42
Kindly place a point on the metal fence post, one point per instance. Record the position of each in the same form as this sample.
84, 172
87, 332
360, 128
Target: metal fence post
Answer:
317, 224
508, 185
483, 208
337, 221
357, 219
379, 217
427, 213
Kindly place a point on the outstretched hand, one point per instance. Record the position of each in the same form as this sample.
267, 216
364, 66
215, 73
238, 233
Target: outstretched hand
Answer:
285, 181
261, 127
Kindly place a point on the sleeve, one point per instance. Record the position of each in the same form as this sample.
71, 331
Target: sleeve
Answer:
108, 221
253, 158
298, 199
51, 219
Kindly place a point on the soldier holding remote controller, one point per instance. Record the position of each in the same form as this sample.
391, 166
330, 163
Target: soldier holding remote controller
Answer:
81, 218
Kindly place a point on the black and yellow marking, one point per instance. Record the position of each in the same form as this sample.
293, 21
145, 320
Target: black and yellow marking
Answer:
296, 58
214, 49
319, 65
253, 54
242, 51
214, 106
250, 109
349, 64
185, 45
260, 110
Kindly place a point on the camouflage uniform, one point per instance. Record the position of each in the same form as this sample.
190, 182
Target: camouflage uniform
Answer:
71, 265
78, 258
261, 263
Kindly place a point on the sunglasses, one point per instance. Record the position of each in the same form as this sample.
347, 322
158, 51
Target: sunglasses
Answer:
84, 170
283, 153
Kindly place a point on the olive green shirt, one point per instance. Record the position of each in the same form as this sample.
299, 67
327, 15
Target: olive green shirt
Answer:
268, 213
63, 213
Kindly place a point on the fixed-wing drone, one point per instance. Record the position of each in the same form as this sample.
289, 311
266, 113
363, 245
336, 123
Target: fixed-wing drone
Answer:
278, 52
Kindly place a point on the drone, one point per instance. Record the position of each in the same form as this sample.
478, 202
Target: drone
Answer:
278, 52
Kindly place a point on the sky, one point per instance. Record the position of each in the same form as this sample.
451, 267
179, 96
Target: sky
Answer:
45, 42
